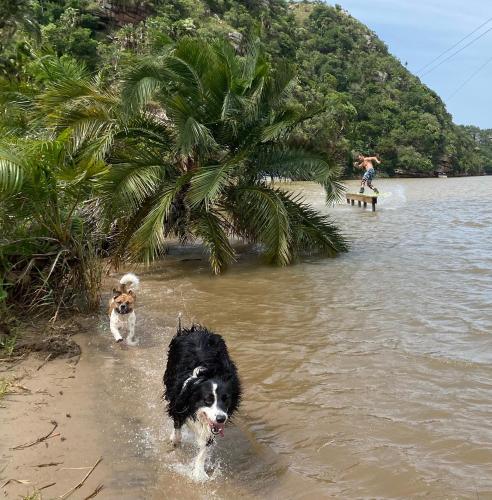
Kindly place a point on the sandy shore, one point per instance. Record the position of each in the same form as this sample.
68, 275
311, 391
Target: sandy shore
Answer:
42, 398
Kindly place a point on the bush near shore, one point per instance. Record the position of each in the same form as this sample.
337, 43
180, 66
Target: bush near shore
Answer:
177, 148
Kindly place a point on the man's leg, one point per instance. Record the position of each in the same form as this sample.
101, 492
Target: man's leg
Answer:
362, 184
369, 183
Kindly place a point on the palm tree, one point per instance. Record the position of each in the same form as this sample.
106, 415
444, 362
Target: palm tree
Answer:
47, 249
191, 142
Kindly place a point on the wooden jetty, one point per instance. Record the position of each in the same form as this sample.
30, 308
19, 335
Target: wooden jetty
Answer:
362, 199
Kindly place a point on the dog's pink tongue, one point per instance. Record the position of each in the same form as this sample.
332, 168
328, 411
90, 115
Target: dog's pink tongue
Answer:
220, 427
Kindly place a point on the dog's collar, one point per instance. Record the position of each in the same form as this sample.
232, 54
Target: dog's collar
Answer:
194, 375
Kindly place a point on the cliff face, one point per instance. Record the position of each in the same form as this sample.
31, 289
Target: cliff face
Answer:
122, 12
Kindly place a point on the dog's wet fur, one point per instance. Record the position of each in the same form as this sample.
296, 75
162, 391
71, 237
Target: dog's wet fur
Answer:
122, 301
122, 308
202, 387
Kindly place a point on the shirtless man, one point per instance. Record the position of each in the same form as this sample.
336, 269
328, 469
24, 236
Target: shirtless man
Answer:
366, 162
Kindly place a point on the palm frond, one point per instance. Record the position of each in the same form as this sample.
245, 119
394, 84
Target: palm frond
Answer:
52, 68
96, 148
195, 136
208, 182
147, 129
334, 187
211, 229
254, 61
311, 231
63, 92
128, 185
282, 124
149, 239
142, 83
299, 164
276, 84
282, 161
260, 215
192, 60
230, 64
11, 175
232, 106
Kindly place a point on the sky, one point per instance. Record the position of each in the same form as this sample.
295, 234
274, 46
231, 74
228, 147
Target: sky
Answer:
417, 31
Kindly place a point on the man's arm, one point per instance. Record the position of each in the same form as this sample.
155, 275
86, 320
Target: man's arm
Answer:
373, 158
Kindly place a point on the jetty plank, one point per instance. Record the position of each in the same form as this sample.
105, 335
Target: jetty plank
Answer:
362, 198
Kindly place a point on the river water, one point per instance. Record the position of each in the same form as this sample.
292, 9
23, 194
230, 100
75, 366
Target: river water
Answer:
368, 375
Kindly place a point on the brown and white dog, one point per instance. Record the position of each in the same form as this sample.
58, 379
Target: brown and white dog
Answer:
122, 308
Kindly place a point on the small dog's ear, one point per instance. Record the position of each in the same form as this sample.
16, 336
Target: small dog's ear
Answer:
132, 293
116, 293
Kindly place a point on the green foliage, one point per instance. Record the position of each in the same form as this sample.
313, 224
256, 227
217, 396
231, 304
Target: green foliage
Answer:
478, 146
371, 102
7, 348
47, 247
179, 149
194, 137
396, 115
4, 388
68, 36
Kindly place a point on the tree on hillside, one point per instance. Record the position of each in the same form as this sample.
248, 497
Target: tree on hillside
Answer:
15, 14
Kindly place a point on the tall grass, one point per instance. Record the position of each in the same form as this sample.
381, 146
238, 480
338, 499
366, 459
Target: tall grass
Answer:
43, 275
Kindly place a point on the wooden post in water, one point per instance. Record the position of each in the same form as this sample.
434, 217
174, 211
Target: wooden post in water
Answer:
362, 199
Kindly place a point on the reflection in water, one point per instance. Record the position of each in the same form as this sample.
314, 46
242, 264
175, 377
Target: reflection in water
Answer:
366, 375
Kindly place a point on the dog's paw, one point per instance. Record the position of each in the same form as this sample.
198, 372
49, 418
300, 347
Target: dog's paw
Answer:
199, 474
132, 342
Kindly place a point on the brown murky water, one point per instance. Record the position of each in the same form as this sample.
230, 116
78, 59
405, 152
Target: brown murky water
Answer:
364, 376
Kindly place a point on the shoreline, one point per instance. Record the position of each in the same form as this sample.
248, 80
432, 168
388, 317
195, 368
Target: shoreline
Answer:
50, 438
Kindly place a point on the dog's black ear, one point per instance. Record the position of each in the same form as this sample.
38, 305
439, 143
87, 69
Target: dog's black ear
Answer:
116, 293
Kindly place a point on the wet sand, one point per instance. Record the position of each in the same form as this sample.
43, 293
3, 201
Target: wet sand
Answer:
96, 411
60, 391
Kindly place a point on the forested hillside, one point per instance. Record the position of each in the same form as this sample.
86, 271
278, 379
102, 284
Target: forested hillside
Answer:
362, 98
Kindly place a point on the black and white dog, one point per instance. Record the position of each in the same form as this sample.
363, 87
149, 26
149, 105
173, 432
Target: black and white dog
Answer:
202, 388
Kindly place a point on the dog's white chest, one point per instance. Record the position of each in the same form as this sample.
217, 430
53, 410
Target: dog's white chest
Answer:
201, 429
122, 320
